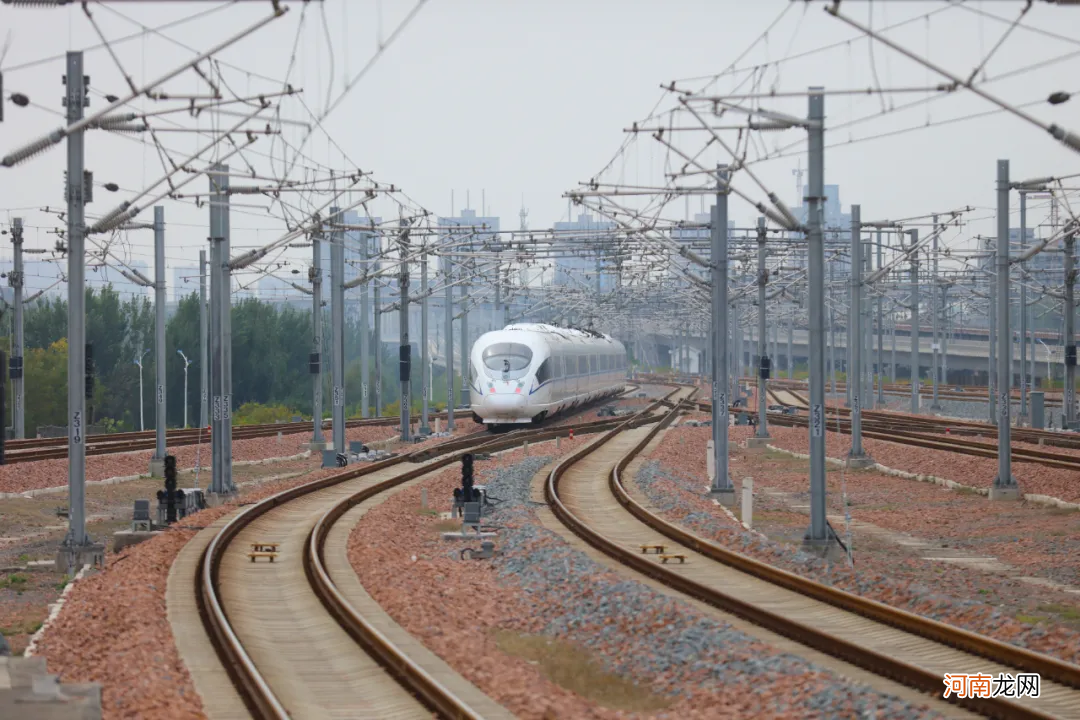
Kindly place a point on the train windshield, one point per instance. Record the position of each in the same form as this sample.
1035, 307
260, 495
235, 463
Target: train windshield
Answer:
509, 361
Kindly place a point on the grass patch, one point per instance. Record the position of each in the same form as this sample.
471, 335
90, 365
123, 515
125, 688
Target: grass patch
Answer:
1065, 612
427, 511
966, 491
448, 525
1029, 619
25, 628
574, 669
15, 581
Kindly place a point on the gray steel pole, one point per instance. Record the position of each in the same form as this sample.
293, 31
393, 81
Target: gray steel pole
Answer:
337, 329
377, 299
498, 299
1004, 484
1023, 309
722, 488
791, 347
880, 336
75, 101
892, 338
945, 334
855, 331
991, 359
867, 374
317, 438
17, 280
1069, 395
465, 378
365, 328
404, 348
159, 340
226, 335
915, 329
448, 336
832, 327
425, 361
763, 279
818, 534
204, 363
850, 339
935, 342
217, 461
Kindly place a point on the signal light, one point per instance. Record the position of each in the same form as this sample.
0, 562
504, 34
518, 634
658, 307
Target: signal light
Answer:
170, 488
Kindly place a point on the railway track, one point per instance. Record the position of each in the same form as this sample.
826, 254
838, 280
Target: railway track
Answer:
971, 393
929, 433
33, 449
588, 493
297, 637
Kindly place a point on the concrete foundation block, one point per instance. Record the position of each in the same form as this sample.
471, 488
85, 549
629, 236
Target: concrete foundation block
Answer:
829, 549
1005, 493
758, 443
317, 446
126, 538
467, 535
28, 692
215, 499
157, 467
861, 462
70, 560
724, 497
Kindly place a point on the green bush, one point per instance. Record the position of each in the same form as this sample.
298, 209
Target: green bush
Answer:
253, 413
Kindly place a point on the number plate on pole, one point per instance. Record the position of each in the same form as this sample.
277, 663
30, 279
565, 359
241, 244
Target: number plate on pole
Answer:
817, 421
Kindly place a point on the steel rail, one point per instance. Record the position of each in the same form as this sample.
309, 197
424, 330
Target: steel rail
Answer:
253, 688
407, 672
55, 448
876, 662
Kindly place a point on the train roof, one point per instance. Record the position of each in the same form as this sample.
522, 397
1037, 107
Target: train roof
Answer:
565, 332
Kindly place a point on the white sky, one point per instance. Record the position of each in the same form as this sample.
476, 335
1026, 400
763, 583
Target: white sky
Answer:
521, 99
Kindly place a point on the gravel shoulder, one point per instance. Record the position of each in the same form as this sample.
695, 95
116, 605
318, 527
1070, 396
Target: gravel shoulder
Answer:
22, 477
549, 633
113, 629
1039, 543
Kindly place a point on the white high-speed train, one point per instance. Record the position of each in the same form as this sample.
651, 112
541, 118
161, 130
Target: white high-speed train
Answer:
530, 371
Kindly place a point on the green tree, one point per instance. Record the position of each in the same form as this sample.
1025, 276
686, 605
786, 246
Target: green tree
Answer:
46, 375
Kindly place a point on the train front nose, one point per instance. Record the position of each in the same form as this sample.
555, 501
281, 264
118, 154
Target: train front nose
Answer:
504, 405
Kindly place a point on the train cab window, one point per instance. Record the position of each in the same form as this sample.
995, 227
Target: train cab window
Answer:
544, 373
507, 361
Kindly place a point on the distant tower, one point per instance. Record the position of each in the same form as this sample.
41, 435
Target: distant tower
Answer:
524, 215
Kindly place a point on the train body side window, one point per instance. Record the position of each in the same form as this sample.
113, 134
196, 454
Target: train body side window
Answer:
543, 373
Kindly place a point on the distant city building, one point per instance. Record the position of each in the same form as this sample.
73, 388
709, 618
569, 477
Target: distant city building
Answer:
482, 316
837, 226
577, 268
185, 281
